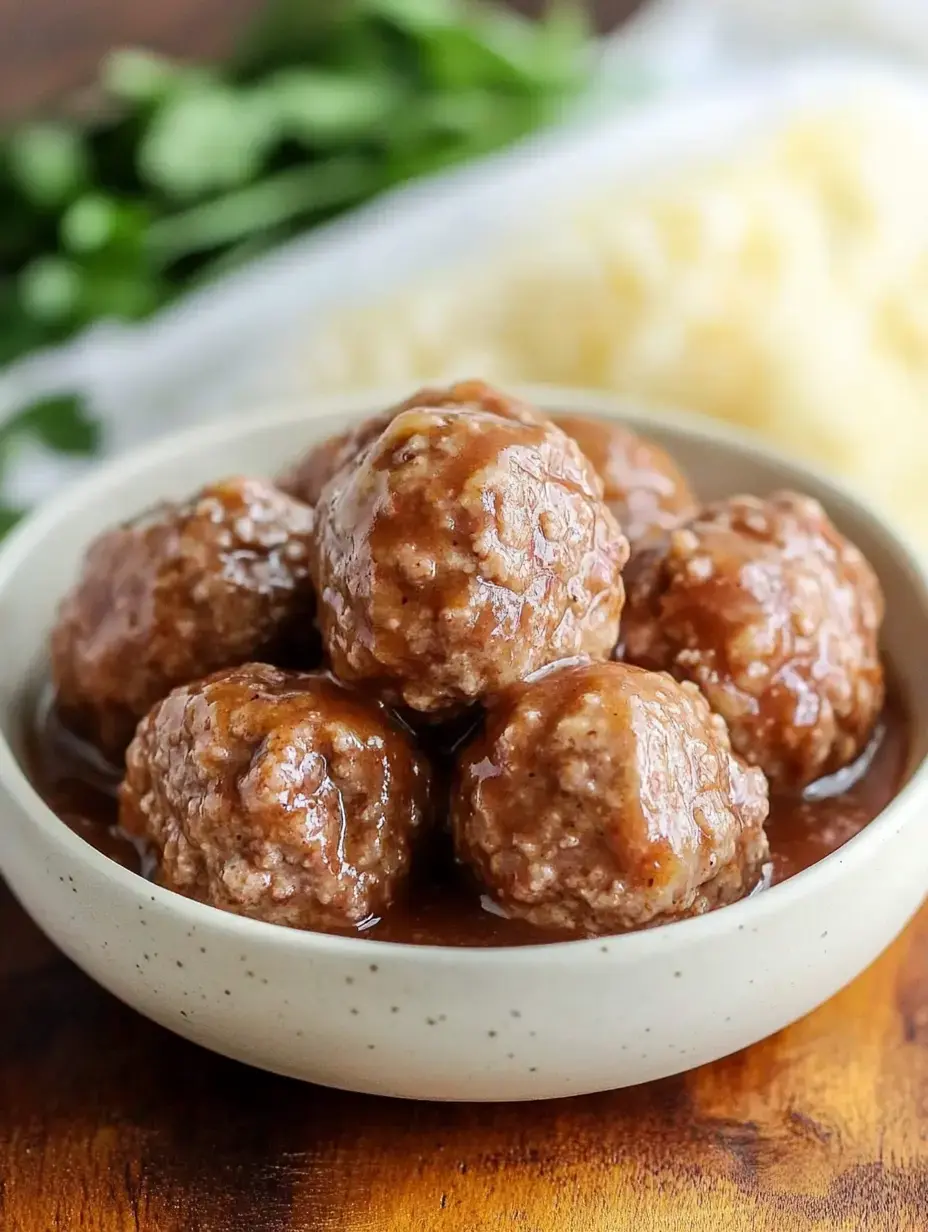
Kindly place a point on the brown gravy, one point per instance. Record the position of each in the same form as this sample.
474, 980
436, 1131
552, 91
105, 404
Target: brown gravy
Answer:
442, 908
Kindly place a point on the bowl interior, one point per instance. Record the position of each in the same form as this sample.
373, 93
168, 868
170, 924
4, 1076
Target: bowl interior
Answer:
42, 558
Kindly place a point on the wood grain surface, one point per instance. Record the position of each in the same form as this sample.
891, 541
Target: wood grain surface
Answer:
108, 1123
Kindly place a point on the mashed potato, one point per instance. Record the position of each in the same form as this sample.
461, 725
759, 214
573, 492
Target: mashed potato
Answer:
784, 289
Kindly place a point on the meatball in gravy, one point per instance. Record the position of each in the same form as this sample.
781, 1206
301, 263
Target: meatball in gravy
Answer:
306, 479
180, 592
462, 551
601, 797
607, 697
643, 486
776, 616
277, 795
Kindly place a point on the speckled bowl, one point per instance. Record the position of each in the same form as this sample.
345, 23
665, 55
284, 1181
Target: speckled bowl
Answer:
441, 1023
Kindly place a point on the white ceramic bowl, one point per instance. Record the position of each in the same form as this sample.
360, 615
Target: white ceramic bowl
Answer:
443, 1023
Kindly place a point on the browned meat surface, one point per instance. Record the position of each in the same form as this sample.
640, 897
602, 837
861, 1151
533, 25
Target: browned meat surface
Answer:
642, 485
309, 475
776, 616
462, 551
278, 795
602, 797
175, 594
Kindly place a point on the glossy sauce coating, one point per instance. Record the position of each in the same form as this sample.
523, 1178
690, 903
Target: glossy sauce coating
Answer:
279, 795
462, 551
178, 592
441, 906
775, 615
306, 478
642, 484
600, 797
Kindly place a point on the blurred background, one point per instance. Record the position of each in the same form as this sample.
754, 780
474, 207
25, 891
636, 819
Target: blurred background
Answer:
53, 47
208, 206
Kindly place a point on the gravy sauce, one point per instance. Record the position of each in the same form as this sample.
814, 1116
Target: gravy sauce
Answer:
442, 907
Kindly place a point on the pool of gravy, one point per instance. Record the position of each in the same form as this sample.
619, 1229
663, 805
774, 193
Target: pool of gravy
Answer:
442, 907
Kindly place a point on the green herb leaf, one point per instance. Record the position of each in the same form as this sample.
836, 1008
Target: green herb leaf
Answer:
140, 77
322, 107
291, 194
502, 48
48, 163
20, 333
49, 288
8, 519
208, 138
420, 18
115, 292
61, 423
290, 32
96, 222
189, 170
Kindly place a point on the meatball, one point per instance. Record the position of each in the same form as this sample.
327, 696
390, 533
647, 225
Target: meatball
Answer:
278, 795
601, 797
306, 479
309, 474
461, 552
776, 616
175, 594
643, 486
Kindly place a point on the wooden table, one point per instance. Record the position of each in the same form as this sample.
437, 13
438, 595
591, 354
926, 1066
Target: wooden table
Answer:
109, 1124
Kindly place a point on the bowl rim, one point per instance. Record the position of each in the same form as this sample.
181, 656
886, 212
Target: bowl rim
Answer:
39, 525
